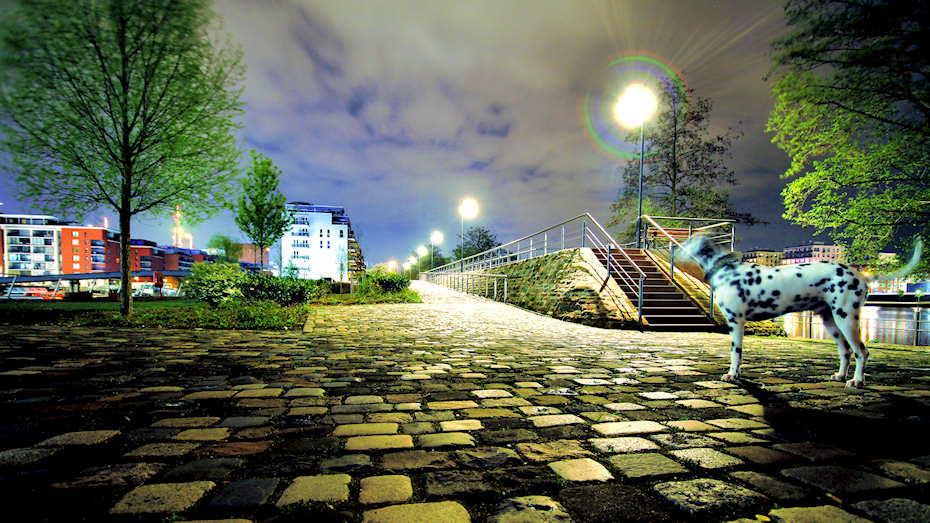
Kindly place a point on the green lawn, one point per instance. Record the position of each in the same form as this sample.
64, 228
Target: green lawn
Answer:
181, 313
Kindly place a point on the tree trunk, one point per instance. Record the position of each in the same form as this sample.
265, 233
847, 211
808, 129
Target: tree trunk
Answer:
125, 263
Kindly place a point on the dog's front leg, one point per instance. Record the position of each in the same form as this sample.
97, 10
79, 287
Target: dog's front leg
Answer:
736, 327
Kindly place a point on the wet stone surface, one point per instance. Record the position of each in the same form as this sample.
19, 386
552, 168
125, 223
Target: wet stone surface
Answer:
455, 409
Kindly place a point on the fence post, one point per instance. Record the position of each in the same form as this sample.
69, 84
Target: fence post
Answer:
639, 303
672, 259
545, 243
608, 260
563, 237
583, 232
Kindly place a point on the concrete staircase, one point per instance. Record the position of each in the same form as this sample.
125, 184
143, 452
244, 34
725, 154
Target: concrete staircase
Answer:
665, 306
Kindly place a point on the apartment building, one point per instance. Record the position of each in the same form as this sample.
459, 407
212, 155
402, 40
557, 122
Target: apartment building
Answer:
86, 248
811, 252
321, 243
762, 257
30, 244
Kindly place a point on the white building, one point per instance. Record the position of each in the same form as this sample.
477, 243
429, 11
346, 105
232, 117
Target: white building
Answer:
321, 243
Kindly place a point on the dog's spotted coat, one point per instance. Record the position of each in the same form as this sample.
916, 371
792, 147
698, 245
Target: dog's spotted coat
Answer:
749, 292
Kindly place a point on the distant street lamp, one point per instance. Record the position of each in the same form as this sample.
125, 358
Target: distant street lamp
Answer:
421, 251
634, 106
392, 265
468, 210
434, 239
406, 268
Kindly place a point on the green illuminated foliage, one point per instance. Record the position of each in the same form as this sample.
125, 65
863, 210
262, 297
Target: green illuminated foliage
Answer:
851, 110
261, 211
122, 105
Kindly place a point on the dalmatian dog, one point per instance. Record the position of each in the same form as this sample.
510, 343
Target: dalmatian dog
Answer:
749, 292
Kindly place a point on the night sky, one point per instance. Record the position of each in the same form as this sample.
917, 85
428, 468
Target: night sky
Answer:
397, 110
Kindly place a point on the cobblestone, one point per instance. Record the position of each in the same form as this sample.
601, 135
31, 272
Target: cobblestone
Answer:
457, 409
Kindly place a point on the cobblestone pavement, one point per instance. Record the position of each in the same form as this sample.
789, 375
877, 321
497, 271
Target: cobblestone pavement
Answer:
453, 410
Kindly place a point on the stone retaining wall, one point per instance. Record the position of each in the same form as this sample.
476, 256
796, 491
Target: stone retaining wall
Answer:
568, 285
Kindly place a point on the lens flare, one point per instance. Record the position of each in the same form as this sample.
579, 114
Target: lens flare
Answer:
605, 125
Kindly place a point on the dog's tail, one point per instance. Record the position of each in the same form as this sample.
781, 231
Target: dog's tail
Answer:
907, 269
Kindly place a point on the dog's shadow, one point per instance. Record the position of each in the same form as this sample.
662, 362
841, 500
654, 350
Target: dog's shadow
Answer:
897, 426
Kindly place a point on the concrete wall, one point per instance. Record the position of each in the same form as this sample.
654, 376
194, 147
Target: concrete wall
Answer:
568, 285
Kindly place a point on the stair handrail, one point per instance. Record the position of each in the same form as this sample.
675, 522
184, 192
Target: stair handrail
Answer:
673, 243
628, 278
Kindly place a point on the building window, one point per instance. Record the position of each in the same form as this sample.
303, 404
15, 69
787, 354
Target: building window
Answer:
76, 266
74, 233
75, 242
341, 232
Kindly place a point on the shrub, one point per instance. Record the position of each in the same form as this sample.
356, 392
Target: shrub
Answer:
380, 281
214, 283
284, 291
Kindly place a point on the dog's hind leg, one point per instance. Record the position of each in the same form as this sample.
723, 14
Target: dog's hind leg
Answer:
736, 326
849, 326
842, 345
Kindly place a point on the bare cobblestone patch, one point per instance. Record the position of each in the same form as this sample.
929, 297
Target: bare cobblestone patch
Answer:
161, 498
707, 497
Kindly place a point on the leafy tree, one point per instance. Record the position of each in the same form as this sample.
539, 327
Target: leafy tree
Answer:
120, 104
852, 110
477, 239
342, 262
231, 249
686, 172
261, 213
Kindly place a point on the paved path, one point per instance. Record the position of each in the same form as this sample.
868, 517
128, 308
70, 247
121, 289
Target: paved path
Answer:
456, 409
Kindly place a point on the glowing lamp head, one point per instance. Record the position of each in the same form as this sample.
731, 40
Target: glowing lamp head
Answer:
635, 105
469, 208
412, 260
436, 238
392, 265
422, 250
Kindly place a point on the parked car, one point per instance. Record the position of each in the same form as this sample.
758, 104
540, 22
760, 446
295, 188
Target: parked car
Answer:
25, 293
146, 289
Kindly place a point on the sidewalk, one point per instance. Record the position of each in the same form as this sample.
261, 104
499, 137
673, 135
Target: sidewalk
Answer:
455, 409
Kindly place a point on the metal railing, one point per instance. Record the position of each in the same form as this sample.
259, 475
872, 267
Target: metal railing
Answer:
578, 232
477, 283
662, 243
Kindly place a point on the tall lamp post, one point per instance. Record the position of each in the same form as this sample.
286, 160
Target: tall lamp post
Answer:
468, 210
634, 106
421, 251
434, 239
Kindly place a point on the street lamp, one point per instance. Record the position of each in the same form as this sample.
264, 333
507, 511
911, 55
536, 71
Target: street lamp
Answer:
421, 251
392, 265
434, 239
634, 106
406, 268
468, 209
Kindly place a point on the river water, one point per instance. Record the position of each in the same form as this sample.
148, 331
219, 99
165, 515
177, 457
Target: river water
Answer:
878, 324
